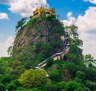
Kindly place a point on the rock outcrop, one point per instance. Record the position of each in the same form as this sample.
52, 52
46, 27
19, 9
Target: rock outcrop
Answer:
41, 38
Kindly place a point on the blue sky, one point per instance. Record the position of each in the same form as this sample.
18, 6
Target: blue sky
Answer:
64, 6
78, 10
7, 27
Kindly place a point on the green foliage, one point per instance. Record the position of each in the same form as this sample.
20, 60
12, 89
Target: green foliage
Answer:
43, 49
6, 79
36, 89
5, 65
73, 86
27, 89
18, 68
37, 59
27, 78
2, 87
76, 42
56, 75
13, 85
31, 22
90, 74
33, 78
24, 53
89, 60
10, 50
6, 61
21, 23
80, 77
50, 62
75, 54
91, 85
54, 87
71, 67
73, 31
80, 74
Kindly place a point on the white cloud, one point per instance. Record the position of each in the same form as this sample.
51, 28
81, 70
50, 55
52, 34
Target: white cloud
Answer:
5, 45
24, 7
87, 22
91, 1
87, 28
3, 16
71, 20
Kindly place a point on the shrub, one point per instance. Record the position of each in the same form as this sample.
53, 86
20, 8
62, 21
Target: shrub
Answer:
2, 87
91, 85
52, 87
6, 79
56, 75
80, 76
90, 74
33, 78
13, 85
71, 67
73, 86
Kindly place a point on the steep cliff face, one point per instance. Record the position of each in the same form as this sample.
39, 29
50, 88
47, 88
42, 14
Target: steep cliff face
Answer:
41, 39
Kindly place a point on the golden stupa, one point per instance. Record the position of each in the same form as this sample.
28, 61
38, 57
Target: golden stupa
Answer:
43, 11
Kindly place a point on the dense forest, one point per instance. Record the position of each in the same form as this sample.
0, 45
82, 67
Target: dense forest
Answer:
47, 56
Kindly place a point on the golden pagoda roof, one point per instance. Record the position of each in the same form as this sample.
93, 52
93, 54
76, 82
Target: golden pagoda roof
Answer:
41, 9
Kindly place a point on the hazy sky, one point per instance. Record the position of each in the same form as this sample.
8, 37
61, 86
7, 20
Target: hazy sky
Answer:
79, 12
